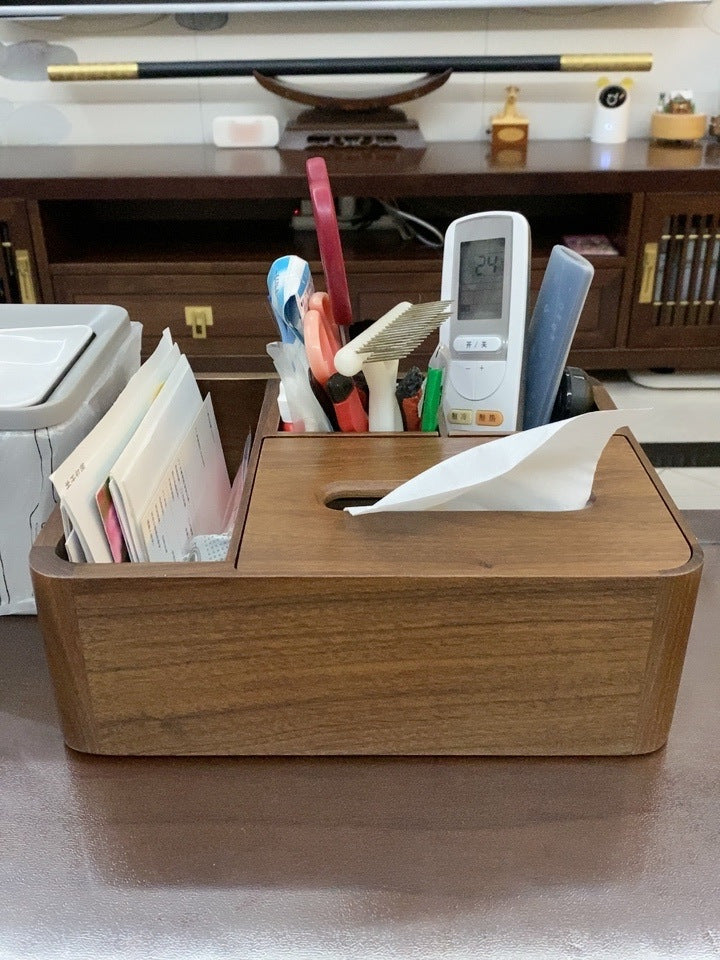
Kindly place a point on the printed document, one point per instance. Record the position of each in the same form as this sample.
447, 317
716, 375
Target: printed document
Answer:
192, 496
78, 479
142, 464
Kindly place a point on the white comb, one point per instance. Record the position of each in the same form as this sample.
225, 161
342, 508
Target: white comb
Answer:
378, 350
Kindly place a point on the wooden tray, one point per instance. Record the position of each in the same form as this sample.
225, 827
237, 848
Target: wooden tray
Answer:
445, 633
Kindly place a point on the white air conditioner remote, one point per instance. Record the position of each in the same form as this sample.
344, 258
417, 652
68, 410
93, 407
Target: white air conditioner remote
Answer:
486, 275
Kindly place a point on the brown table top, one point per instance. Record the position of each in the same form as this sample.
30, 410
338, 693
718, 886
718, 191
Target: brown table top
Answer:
153, 859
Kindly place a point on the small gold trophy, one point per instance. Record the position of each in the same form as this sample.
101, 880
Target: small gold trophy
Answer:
509, 132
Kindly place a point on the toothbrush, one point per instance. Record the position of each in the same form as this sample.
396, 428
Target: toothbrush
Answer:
378, 350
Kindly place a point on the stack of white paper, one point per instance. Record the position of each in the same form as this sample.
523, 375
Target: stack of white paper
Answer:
151, 475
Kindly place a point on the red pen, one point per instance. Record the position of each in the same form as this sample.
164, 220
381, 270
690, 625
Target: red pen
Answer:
351, 415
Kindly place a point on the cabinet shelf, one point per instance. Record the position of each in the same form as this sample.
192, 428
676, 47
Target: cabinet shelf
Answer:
199, 231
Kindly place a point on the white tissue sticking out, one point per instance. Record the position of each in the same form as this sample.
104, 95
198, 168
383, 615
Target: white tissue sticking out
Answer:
547, 468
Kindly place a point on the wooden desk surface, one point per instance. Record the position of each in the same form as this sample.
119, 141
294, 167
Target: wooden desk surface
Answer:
246, 859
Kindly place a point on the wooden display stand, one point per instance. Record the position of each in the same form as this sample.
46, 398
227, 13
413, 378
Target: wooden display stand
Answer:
405, 633
358, 120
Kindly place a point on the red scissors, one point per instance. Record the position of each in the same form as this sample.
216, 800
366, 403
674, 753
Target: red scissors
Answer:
328, 237
322, 342
321, 335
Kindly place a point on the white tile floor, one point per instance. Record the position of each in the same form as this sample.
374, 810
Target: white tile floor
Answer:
684, 415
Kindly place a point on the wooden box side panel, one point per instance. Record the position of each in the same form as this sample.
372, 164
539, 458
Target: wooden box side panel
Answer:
673, 619
64, 649
367, 666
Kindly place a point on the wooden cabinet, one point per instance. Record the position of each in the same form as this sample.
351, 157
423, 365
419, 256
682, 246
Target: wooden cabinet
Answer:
183, 237
220, 316
203, 274
220, 313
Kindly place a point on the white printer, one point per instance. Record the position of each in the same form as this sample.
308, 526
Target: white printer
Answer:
61, 368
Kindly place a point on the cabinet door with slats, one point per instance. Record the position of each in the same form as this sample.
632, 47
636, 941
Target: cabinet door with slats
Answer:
677, 287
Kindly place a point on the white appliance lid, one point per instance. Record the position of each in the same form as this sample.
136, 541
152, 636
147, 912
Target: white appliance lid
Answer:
33, 360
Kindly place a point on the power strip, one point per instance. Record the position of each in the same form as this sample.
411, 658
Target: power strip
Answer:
346, 211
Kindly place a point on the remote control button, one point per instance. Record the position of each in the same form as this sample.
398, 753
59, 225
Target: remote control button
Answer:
462, 377
463, 417
477, 380
477, 344
488, 418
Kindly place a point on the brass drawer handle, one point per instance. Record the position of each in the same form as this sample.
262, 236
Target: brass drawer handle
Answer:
648, 273
199, 319
25, 277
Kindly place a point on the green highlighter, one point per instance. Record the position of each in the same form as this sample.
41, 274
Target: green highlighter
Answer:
431, 399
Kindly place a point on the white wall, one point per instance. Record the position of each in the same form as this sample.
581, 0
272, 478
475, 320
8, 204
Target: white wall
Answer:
682, 37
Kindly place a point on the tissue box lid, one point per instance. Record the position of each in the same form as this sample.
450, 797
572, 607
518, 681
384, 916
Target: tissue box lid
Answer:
627, 530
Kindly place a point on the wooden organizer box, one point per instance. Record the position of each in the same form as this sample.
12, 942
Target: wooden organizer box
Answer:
389, 634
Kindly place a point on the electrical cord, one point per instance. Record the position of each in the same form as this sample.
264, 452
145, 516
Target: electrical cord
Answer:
411, 227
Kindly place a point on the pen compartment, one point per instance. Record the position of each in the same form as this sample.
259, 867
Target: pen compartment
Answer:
389, 634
